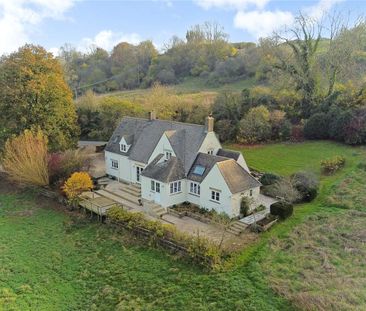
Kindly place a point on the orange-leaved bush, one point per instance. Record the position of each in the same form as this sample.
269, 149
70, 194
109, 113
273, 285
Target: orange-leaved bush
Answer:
26, 158
77, 183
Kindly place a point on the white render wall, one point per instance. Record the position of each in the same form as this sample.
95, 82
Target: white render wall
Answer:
241, 161
166, 199
162, 146
210, 142
126, 168
215, 181
236, 198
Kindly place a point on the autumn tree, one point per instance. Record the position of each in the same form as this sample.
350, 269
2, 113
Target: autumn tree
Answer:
33, 93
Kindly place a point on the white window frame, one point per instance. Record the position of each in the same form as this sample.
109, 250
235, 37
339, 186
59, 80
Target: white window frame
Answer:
194, 188
168, 155
175, 187
210, 151
157, 187
215, 196
123, 147
114, 164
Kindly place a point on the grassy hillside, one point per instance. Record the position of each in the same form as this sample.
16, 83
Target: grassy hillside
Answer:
50, 260
191, 87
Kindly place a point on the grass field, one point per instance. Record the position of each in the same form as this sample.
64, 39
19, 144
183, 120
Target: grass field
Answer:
50, 260
288, 158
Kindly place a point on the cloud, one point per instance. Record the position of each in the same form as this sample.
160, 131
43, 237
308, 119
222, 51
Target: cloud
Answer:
262, 23
18, 18
323, 6
231, 4
107, 39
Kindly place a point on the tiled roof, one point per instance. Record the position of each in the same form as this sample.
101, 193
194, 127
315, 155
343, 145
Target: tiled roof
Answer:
237, 178
205, 160
232, 154
166, 170
144, 134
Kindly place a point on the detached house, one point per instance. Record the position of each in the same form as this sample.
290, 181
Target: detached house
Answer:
175, 162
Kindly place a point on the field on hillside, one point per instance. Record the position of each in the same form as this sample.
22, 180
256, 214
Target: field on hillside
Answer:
191, 91
50, 260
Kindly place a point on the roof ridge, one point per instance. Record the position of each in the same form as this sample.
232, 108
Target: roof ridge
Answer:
162, 120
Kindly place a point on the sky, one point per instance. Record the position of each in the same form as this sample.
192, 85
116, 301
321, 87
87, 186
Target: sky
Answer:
104, 23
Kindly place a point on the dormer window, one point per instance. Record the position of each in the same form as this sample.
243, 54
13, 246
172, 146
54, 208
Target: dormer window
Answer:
123, 148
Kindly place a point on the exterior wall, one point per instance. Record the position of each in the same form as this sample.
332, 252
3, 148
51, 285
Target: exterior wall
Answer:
162, 146
210, 142
241, 161
165, 199
236, 198
215, 181
123, 172
126, 168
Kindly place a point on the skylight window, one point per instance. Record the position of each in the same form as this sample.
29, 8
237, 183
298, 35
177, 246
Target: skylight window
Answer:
198, 170
116, 139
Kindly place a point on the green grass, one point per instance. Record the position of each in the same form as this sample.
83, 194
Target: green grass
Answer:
192, 86
288, 158
50, 261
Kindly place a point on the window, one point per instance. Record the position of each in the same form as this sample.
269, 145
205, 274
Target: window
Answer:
198, 170
114, 164
215, 196
153, 185
195, 188
123, 147
175, 187
251, 192
210, 151
168, 155
157, 187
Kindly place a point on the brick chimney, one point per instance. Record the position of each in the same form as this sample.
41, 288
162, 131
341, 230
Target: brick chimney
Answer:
152, 115
209, 124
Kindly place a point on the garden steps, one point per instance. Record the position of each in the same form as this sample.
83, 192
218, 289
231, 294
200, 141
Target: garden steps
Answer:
156, 209
126, 203
237, 228
123, 195
133, 190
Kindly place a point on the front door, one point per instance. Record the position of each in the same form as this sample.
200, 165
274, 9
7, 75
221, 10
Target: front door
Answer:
157, 192
139, 170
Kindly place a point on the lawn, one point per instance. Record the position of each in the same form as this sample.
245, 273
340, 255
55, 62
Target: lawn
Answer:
52, 260
288, 158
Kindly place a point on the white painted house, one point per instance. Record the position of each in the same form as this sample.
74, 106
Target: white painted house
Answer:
176, 162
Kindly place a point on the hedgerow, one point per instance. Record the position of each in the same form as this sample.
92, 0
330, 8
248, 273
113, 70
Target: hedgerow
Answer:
197, 248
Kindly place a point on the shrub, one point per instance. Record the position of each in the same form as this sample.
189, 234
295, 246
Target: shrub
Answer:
62, 164
25, 158
306, 184
76, 184
330, 166
198, 248
317, 127
269, 179
284, 190
297, 133
244, 206
282, 209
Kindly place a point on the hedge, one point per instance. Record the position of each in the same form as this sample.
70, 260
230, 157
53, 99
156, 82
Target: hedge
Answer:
199, 249
282, 209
